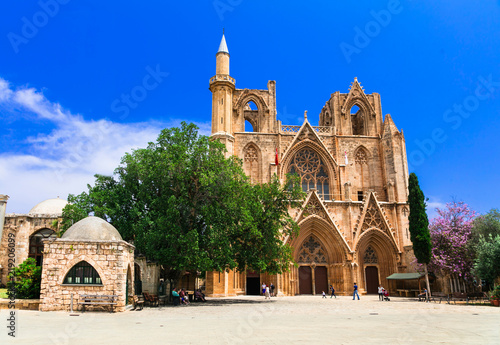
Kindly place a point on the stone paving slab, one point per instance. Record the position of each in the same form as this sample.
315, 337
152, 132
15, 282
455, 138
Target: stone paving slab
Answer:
253, 320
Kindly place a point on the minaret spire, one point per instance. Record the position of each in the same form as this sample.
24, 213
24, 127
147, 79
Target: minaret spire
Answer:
222, 86
223, 44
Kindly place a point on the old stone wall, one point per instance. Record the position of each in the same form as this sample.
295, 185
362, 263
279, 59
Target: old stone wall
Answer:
149, 273
113, 261
23, 227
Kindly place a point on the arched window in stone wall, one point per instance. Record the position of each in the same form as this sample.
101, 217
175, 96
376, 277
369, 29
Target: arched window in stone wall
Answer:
327, 119
36, 244
82, 273
313, 173
370, 256
251, 163
362, 169
311, 251
251, 115
357, 121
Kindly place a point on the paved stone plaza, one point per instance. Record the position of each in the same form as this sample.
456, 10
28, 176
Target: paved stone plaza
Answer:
283, 320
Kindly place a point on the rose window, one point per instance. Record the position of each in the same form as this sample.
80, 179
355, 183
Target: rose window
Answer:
312, 171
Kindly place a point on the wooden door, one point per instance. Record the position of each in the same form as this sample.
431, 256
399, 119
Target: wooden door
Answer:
371, 273
321, 280
305, 280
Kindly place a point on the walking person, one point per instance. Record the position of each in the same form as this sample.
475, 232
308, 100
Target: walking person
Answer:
332, 290
263, 288
380, 293
272, 290
355, 293
267, 293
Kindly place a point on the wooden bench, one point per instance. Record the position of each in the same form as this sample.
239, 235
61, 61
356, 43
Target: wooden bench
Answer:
438, 296
138, 303
152, 300
104, 300
477, 296
458, 296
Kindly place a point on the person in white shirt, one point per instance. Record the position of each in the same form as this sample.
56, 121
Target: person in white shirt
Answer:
380, 293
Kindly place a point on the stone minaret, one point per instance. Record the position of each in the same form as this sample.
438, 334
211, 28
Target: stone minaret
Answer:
222, 87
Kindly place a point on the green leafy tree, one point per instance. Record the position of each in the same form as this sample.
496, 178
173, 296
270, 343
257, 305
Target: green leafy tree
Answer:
419, 226
487, 263
486, 225
188, 207
24, 280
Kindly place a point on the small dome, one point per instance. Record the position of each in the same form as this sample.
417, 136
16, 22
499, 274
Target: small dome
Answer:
92, 229
50, 206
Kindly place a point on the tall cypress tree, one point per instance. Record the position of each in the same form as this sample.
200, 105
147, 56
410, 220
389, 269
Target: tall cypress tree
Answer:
419, 226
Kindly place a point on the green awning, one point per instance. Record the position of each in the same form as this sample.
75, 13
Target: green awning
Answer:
405, 276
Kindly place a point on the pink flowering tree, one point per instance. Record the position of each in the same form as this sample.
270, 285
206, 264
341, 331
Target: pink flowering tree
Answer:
452, 252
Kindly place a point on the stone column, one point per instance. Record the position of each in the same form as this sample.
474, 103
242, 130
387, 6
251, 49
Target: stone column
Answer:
3, 206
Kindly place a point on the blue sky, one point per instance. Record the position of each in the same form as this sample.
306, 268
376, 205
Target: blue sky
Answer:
65, 67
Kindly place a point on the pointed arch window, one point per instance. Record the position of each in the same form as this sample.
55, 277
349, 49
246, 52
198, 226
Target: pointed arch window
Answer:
312, 251
312, 171
251, 163
370, 256
83, 273
357, 120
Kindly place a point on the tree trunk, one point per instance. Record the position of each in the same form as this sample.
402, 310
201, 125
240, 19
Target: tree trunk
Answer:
427, 283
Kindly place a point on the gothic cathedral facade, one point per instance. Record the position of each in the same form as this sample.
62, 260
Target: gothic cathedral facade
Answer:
354, 169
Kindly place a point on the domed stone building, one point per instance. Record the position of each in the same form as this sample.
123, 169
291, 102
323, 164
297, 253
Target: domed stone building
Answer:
90, 258
28, 230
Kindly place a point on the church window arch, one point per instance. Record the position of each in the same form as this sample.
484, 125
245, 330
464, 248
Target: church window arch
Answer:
36, 244
357, 120
313, 173
82, 273
311, 251
251, 162
370, 256
361, 160
251, 116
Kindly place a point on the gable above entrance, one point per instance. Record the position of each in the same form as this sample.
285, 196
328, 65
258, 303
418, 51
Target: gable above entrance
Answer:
372, 217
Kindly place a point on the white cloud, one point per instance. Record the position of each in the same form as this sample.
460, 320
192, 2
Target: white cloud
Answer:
65, 160
432, 205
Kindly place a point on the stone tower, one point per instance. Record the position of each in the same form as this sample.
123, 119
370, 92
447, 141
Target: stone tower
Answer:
222, 87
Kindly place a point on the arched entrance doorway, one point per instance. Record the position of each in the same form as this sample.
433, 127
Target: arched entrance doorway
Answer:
137, 279
370, 260
313, 273
36, 244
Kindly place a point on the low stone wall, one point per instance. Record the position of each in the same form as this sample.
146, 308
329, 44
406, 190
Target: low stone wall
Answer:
21, 304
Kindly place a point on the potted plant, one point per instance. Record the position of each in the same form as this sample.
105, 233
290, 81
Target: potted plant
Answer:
495, 296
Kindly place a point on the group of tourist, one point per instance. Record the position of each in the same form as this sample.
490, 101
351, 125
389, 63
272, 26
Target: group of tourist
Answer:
268, 290
184, 296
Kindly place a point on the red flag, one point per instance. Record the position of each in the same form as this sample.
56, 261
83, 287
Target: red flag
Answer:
276, 158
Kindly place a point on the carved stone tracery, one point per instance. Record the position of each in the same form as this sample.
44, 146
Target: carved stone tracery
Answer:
312, 251
373, 218
313, 173
360, 157
370, 256
315, 208
251, 154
